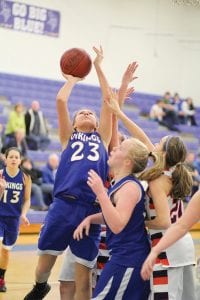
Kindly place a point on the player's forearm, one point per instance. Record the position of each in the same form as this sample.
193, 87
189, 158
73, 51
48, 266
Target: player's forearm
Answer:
135, 130
65, 91
158, 223
114, 138
96, 219
122, 93
174, 233
25, 207
102, 80
110, 213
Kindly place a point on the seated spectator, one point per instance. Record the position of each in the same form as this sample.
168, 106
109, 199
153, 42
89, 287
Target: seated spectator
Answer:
36, 128
197, 162
16, 121
195, 174
177, 102
170, 116
36, 188
18, 140
48, 176
189, 110
156, 111
1, 136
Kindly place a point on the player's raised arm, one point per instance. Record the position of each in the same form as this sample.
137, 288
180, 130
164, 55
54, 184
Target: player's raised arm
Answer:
128, 76
132, 127
64, 122
105, 123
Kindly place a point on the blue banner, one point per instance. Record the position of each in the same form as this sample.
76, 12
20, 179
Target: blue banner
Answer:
29, 18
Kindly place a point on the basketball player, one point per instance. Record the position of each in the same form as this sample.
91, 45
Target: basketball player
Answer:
173, 233
169, 183
122, 211
14, 204
67, 274
84, 143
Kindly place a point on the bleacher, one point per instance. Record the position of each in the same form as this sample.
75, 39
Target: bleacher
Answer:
17, 88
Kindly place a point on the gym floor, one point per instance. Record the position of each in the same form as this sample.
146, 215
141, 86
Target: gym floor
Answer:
20, 274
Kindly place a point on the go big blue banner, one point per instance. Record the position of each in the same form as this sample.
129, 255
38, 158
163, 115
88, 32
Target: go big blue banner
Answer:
29, 18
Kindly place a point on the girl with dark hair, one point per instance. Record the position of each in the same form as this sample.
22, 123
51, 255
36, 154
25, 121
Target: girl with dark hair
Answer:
173, 233
84, 146
14, 205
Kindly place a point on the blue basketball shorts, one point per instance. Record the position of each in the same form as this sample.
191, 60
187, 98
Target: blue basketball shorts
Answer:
122, 283
9, 230
57, 232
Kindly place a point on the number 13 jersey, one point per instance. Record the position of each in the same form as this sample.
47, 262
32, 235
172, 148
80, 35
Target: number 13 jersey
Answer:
12, 199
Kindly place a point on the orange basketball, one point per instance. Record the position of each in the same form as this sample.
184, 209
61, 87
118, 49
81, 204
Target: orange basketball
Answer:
76, 62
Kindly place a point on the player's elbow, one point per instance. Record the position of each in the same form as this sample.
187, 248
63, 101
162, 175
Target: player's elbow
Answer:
118, 228
59, 100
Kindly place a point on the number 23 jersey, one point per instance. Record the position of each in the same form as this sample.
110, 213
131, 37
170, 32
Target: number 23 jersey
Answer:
84, 151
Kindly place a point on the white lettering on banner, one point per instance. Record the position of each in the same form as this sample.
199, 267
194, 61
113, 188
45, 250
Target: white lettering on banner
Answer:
28, 25
37, 13
29, 18
19, 9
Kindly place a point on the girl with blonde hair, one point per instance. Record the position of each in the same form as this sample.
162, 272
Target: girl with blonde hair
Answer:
169, 183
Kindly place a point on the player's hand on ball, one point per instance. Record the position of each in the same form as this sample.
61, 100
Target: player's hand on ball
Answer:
71, 78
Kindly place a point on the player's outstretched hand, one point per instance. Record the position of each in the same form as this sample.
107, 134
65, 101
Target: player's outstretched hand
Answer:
128, 75
99, 55
82, 228
147, 267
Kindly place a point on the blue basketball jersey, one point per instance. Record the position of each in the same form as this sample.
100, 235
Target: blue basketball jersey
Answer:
84, 151
12, 199
131, 246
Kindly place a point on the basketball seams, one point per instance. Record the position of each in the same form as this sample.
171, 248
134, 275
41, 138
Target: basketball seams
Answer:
76, 62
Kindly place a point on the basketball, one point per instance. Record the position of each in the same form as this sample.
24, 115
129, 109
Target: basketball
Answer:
76, 62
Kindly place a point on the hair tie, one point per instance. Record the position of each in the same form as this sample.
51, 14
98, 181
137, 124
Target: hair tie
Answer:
172, 169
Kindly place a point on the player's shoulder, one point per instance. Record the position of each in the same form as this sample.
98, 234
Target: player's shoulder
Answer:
26, 178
